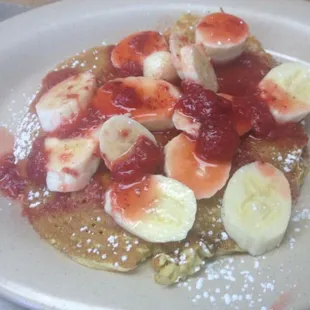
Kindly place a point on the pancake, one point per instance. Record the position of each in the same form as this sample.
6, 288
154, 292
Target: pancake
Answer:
77, 225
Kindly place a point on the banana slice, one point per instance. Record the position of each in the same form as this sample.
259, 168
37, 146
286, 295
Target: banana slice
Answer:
176, 42
181, 164
118, 135
186, 123
196, 66
156, 209
148, 101
257, 207
64, 102
94, 133
136, 47
223, 36
70, 163
182, 33
286, 90
159, 66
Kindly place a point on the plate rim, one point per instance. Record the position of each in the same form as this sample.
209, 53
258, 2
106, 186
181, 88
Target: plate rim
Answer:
36, 19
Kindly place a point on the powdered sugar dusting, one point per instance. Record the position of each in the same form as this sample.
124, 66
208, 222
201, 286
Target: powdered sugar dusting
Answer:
24, 124
224, 273
37, 198
26, 133
290, 160
300, 215
199, 283
16, 116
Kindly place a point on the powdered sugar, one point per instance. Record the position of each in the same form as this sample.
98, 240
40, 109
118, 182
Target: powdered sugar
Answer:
299, 215
26, 133
112, 241
225, 271
292, 242
199, 283
35, 204
227, 299
267, 286
37, 197
224, 236
290, 160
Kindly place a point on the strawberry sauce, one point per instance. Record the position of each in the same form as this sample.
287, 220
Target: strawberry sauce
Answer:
131, 200
12, 183
242, 75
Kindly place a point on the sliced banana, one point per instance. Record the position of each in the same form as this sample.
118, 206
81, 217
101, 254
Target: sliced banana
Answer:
257, 207
159, 66
159, 98
182, 33
176, 42
65, 101
156, 209
186, 123
181, 163
223, 36
196, 66
70, 163
136, 47
118, 135
286, 90
151, 102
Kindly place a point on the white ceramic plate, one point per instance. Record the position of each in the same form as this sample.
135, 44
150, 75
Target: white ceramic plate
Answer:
32, 272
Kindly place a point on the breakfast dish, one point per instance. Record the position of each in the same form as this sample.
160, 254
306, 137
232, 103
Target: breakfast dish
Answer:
178, 147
